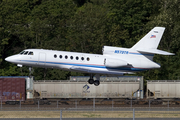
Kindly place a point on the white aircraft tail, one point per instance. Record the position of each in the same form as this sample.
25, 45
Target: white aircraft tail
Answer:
150, 42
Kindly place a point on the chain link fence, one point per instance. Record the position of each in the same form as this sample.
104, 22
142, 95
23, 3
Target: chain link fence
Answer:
91, 108
90, 104
92, 113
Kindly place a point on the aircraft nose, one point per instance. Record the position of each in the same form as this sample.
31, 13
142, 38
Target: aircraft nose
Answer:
11, 58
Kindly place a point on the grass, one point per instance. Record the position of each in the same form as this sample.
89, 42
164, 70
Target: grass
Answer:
91, 116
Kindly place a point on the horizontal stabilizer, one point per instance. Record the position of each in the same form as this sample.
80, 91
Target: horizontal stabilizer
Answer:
155, 51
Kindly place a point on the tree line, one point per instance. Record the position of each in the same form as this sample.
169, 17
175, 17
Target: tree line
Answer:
86, 26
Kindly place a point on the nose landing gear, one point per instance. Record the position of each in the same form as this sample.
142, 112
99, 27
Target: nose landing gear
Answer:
31, 70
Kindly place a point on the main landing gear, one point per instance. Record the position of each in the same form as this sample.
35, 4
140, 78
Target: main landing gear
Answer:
95, 82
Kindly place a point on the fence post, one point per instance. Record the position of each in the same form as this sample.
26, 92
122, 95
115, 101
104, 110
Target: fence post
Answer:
20, 104
76, 104
1, 104
38, 104
93, 104
133, 114
168, 105
60, 114
149, 103
131, 103
112, 104
57, 103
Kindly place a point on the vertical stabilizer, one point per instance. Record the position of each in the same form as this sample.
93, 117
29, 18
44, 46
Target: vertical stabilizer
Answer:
150, 40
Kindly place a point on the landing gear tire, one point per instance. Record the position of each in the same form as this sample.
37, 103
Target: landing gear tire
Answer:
91, 81
96, 82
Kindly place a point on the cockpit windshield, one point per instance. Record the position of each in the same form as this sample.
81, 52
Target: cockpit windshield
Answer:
26, 53
30, 53
21, 52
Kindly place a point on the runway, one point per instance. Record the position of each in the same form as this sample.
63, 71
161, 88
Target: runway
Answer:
89, 118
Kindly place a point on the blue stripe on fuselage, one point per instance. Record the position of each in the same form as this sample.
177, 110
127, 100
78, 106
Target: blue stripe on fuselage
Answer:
141, 54
89, 65
133, 53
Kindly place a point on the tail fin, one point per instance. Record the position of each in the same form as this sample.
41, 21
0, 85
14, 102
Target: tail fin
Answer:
150, 42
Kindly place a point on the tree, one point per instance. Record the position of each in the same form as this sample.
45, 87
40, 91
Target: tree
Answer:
168, 18
87, 28
14, 32
128, 19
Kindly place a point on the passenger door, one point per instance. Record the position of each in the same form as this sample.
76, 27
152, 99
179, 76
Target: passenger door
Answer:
42, 59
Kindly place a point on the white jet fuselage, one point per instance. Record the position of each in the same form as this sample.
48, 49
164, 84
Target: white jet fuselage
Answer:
114, 60
89, 63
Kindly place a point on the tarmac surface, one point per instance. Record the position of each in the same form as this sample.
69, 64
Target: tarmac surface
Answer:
89, 118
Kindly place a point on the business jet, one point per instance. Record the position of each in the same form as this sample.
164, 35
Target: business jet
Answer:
113, 61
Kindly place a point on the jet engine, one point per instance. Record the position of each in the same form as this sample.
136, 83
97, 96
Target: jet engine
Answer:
114, 63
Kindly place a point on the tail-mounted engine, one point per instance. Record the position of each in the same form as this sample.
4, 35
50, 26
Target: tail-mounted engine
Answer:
114, 63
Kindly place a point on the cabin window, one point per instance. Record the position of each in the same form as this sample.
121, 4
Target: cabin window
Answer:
82, 58
60, 56
21, 52
26, 53
66, 57
30, 53
88, 58
77, 58
55, 56
71, 57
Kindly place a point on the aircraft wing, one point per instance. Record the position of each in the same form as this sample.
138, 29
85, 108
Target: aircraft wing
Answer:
100, 71
155, 51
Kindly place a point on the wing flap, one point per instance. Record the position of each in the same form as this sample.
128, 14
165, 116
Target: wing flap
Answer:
98, 71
